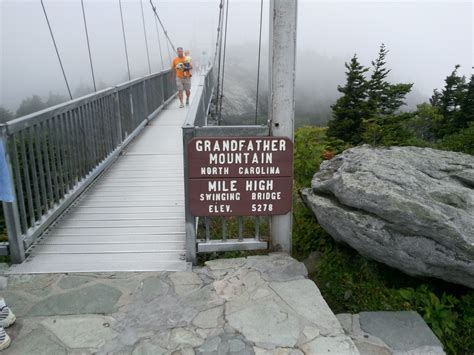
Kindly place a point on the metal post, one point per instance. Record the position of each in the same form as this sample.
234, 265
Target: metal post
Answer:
10, 208
118, 116
281, 111
188, 134
145, 99
162, 83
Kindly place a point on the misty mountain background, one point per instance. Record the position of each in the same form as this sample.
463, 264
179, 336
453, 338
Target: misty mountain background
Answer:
317, 78
425, 39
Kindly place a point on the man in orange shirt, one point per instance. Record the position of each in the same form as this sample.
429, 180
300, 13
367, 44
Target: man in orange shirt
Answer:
183, 77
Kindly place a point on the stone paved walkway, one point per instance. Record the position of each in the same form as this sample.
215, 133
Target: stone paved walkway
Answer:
258, 305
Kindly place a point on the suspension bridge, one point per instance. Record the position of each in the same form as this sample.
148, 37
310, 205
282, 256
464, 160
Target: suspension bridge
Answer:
99, 183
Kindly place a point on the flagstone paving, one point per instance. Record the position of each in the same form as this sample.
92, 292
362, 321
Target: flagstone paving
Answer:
256, 305
263, 305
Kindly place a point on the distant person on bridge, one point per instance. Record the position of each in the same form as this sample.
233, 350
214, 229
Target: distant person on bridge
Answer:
204, 62
183, 66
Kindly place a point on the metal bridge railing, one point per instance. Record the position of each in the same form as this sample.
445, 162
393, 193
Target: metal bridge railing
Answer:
54, 154
211, 234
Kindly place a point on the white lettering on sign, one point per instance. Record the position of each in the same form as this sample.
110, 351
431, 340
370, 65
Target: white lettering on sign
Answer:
222, 185
258, 185
221, 196
266, 195
259, 170
219, 209
239, 158
234, 145
214, 170
263, 207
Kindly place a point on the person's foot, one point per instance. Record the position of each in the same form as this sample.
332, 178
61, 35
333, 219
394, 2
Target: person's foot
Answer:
7, 318
4, 339
181, 105
187, 101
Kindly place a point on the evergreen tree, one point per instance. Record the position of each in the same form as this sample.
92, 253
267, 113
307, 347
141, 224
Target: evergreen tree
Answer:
30, 105
453, 92
5, 115
467, 105
378, 85
449, 102
351, 108
435, 100
384, 98
395, 97
425, 118
55, 99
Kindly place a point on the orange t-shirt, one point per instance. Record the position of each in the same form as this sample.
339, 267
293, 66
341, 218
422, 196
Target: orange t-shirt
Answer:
181, 73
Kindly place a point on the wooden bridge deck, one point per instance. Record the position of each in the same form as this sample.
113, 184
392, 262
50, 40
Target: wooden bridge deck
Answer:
131, 218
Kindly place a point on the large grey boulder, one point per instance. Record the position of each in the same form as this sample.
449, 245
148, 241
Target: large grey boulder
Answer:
410, 208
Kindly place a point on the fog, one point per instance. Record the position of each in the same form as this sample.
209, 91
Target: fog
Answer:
425, 39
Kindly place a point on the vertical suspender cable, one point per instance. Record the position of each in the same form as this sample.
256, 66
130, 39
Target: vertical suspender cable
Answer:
146, 40
159, 44
88, 44
219, 61
223, 60
218, 32
258, 65
124, 41
169, 52
57, 52
161, 24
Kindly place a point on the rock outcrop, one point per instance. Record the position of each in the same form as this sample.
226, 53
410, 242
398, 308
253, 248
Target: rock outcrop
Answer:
410, 208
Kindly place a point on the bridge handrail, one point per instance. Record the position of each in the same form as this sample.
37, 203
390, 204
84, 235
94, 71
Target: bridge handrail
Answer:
54, 154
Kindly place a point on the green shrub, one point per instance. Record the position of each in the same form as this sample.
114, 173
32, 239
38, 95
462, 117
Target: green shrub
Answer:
450, 318
462, 141
309, 146
308, 235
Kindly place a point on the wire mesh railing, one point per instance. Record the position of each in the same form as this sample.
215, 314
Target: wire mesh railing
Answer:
51, 156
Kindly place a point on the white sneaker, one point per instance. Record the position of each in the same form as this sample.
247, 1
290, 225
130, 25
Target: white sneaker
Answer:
4, 339
181, 105
7, 318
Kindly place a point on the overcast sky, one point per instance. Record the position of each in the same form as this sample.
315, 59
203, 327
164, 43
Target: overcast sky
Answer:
425, 38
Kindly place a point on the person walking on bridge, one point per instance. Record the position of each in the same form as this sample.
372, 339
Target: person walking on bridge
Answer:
183, 76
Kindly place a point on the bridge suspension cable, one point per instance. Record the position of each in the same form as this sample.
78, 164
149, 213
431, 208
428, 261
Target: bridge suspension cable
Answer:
223, 61
169, 52
162, 26
56, 48
146, 40
124, 40
88, 45
258, 65
219, 49
159, 44
218, 31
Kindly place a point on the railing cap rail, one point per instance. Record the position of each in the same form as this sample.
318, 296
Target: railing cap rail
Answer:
38, 116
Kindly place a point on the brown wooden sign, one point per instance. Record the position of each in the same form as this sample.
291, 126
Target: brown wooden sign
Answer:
240, 176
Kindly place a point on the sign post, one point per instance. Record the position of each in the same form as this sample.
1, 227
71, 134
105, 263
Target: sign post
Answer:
281, 111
